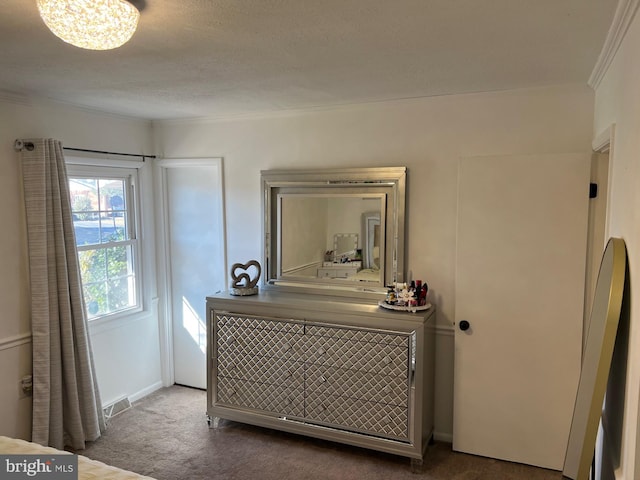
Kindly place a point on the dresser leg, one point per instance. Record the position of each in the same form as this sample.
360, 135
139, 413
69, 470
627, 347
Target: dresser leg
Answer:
213, 422
416, 465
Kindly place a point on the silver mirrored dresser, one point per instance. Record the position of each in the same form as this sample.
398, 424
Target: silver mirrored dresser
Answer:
332, 367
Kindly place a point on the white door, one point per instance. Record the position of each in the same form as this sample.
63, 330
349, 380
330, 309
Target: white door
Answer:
196, 248
520, 277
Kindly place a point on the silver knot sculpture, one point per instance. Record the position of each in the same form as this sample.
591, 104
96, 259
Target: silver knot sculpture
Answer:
242, 283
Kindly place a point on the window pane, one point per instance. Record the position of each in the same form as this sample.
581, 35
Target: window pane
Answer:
113, 207
111, 194
93, 266
84, 206
119, 294
99, 210
108, 279
118, 261
95, 297
112, 229
84, 196
87, 231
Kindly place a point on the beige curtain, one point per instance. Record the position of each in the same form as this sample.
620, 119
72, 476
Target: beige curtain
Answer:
67, 410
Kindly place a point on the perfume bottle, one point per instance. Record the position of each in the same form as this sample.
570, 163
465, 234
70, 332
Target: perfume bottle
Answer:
423, 294
391, 295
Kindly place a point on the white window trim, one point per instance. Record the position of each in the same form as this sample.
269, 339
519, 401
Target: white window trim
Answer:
79, 166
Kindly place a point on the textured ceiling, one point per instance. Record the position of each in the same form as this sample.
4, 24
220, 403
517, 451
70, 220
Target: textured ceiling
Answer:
227, 57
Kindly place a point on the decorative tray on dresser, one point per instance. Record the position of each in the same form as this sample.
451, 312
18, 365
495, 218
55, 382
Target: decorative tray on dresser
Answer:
331, 367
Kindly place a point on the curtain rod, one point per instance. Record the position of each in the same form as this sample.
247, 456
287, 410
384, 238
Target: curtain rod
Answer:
20, 145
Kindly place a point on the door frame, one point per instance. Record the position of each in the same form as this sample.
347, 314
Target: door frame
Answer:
606, 450
163, 253
598, 216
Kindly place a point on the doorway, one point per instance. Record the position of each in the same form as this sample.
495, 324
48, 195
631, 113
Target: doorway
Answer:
194, 260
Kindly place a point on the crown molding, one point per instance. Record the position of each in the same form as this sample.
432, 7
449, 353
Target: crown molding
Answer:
30, 101
622, 18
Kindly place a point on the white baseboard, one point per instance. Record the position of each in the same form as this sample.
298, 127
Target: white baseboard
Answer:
116, 407
443, 437
146, 391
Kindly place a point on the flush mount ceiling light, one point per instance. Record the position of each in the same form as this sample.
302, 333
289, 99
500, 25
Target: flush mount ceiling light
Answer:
90, 24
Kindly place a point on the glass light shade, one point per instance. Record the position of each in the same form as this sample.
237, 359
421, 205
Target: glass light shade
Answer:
90, 24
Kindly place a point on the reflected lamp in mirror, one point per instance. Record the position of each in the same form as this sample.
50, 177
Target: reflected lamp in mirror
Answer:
340, 228
345, 247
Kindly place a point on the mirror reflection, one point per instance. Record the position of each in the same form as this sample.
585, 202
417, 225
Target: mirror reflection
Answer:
372, 240
331, 236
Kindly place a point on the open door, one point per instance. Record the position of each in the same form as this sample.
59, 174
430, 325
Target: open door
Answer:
195, 238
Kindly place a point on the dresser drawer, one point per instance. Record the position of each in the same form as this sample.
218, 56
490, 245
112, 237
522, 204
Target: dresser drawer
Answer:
369, 336
342, 382
260, 396
358, 415
274, 371
258, 341
385, 359
244, 321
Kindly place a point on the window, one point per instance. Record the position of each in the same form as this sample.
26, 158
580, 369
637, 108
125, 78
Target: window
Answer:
104, 218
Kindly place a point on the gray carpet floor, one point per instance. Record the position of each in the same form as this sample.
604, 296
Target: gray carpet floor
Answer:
165, 435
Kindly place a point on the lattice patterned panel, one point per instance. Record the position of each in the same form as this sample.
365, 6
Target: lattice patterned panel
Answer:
388, 389
278, 371
358, 415
260, 396
241, 321
379, 358
358, 335
270, 342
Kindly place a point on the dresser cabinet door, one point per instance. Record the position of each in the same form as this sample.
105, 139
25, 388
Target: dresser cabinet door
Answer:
261, 396
358, 415
344, 382
358, 380
362, 350
259, 364
244, 335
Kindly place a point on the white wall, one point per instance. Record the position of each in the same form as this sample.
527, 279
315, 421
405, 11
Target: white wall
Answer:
426, 135
130, 347
306, 227
618, 102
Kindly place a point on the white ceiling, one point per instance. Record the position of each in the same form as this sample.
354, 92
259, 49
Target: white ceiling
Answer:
227, 57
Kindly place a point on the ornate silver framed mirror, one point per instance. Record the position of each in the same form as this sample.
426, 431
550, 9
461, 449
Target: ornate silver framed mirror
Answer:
338, 229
